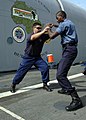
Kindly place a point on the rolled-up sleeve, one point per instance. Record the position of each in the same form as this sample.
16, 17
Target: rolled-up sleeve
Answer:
60, 28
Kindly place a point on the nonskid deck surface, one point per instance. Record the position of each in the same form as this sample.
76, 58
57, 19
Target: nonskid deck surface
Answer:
31, 102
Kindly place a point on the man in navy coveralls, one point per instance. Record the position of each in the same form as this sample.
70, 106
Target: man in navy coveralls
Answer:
32, 56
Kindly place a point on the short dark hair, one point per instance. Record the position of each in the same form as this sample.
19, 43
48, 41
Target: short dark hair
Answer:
36, 23
61, 13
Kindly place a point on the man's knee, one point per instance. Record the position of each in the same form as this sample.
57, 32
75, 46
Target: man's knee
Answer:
58, 76
46, 68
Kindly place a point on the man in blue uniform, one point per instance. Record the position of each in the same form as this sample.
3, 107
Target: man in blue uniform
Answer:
66, 29
32, 57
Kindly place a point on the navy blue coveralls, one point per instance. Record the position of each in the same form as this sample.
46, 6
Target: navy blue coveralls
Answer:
32, 57
69, 42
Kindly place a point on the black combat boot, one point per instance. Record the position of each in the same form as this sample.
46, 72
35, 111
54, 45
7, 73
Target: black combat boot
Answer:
76, 102
13, 86
62, 91
84, 72
46, 87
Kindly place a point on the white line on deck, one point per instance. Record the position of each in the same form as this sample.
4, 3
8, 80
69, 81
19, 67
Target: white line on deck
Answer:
25, 89
8, 93
11, 113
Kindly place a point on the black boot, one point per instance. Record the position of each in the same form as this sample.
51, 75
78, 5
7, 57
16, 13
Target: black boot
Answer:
13, 86
76, 102
62, 91
84, 72
46, 87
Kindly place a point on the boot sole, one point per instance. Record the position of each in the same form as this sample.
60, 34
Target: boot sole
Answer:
78, 107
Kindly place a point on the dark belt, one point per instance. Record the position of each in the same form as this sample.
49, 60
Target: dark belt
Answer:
69, 44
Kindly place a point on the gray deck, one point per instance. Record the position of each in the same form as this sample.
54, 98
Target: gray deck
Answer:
37, 104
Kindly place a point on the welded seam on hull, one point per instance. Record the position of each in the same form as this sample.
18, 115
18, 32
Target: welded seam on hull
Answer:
60, 4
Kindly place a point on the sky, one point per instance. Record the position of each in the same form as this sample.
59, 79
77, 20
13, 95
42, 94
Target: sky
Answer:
81, 3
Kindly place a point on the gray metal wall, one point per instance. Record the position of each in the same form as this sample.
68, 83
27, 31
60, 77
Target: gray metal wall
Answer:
10, 53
